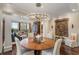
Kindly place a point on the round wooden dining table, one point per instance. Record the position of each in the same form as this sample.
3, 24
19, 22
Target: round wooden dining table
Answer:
38, 47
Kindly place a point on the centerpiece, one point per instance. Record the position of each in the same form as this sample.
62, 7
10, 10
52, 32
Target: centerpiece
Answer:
39, 38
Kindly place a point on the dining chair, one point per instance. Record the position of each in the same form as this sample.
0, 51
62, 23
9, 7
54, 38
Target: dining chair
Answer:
56, 49
19, 49
22, 43
72, 41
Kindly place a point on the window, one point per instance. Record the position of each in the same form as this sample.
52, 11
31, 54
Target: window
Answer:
15, 25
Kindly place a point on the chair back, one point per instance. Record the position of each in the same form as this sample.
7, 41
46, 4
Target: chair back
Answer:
56, 50
18, 47
74, 37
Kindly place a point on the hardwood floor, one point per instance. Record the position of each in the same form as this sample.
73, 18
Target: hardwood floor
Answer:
65, 50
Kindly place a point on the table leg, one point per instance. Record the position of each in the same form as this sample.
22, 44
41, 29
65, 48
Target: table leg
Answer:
37, 52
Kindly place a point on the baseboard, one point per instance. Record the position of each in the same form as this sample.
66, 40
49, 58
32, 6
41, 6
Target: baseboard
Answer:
8, 48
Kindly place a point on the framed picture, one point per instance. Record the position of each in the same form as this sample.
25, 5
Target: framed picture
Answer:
61, 27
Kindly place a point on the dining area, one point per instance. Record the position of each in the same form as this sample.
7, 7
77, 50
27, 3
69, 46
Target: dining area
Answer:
39, 30
39, 33
29, 46
36, 43
36, 37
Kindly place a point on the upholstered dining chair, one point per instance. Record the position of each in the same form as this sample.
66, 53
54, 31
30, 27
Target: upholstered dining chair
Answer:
19, 49
56, 49
72, 41
22, 43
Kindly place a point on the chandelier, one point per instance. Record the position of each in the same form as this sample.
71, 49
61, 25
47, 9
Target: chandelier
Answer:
37, 16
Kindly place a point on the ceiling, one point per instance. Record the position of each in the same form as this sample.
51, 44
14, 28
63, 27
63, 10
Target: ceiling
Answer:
52, 9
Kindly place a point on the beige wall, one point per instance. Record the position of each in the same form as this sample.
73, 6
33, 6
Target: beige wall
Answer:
1, 33
7, 42
73, 19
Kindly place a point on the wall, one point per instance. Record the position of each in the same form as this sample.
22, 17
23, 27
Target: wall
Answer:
52, 23
7, 42
1, 33
73, 19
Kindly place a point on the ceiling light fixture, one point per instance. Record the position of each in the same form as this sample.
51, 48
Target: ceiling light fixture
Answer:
38, 4
38, 16
7, 9
73, 10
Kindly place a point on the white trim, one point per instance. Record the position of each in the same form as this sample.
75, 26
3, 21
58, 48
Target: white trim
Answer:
8, 48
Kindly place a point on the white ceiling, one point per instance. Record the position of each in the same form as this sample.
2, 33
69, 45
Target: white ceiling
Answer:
52, 9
